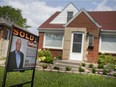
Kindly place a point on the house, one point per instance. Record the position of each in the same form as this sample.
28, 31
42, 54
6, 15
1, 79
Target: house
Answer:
5, 31
79, 34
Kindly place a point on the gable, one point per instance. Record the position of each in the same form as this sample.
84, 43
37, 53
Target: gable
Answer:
62, 17
83, 21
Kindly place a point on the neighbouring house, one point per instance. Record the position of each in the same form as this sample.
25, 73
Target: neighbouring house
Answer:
79, 34
5, 31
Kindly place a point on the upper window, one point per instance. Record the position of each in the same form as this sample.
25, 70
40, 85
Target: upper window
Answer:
53, 40
69, 16
108, 44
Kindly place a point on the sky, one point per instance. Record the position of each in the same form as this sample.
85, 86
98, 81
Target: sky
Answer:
37, 11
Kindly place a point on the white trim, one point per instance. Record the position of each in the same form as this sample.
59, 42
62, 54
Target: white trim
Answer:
55, 30
50, 28
83, 10
108, 30
50, 47
82, 46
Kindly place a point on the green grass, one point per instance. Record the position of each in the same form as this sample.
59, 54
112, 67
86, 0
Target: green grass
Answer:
54, 79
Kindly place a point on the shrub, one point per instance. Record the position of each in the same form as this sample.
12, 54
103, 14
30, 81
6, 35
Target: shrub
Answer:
93, 70
101, 59
83, 64
41, 58
105, 71
45, 56
110, 67
48, 60
56, 67
40, 53
81, 69
44, 66
67, 68
114, 74
90, 65
105, 59
45, 53
101, 66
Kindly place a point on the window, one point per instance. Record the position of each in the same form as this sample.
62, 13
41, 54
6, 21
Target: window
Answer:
77, 43
69, 16
7, 34
53, 40
108, 44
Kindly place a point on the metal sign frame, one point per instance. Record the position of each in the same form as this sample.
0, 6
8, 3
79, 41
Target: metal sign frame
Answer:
7, 60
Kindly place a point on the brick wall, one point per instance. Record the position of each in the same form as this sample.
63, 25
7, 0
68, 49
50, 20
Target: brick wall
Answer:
82, 21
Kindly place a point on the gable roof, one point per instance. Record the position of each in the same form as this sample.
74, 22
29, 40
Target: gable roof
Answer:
104, 19
48, 25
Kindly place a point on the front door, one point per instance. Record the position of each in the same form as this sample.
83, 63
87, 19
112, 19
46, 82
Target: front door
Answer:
76, 49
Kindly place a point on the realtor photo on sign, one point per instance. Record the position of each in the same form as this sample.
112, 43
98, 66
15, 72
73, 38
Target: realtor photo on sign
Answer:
22, 54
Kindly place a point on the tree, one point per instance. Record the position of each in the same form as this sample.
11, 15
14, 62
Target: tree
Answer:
14, 15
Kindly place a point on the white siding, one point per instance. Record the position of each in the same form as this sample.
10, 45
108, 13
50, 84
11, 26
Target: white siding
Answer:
62, 17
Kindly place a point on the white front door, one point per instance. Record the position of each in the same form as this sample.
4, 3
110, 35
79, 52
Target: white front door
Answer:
76, 49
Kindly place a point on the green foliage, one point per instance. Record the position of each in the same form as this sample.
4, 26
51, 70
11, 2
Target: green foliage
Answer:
81, 69
101, 66
48, 60
14, 15
105, 71
105, 59
44, 66
83, 64
45, 56
101, 59
90, 65
67, 68
53, 79
45, 53
56, 67
93, 70
114, 74
110, 67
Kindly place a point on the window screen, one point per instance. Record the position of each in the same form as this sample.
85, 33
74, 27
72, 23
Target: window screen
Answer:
53, 40
77, 43
69, 16
108, 43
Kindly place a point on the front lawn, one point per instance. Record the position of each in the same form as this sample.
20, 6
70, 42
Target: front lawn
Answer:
54, 79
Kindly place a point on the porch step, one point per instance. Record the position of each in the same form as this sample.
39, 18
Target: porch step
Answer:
64, 63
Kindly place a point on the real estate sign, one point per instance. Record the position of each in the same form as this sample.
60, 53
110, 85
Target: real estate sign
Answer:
22, 55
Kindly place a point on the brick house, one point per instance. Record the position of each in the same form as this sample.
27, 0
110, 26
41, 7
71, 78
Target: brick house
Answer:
5, 31
79, 34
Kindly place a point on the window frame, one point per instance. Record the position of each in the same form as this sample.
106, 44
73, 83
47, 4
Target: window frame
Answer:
100, 46
51, 47
68, 16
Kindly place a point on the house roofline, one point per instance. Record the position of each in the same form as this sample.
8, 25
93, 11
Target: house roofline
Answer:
51, 30
108, 30
78, 13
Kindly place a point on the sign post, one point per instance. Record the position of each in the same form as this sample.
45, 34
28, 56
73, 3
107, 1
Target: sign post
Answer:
22, 54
